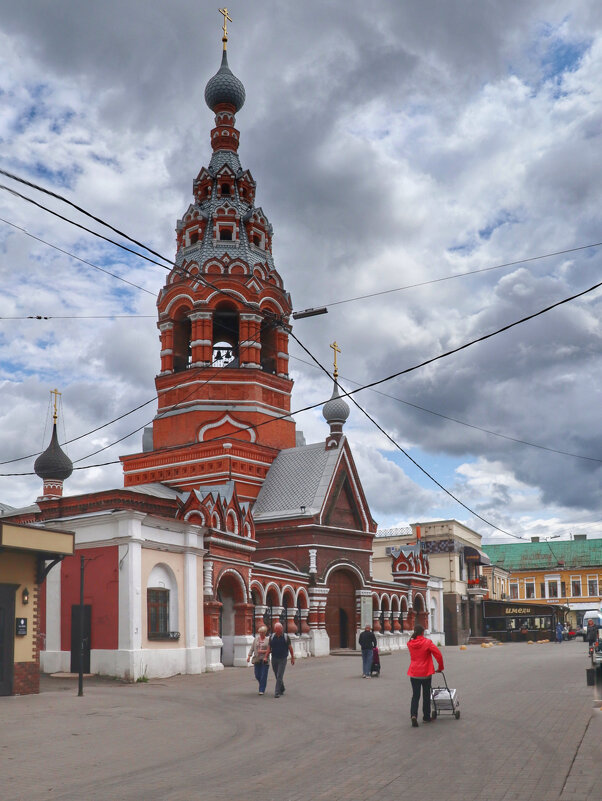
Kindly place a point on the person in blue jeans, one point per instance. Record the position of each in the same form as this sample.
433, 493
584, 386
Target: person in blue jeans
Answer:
279, 647
367, 640
258, 653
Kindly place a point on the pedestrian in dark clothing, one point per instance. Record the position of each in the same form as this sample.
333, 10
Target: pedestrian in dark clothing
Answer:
591, 633
367, 642
279, 647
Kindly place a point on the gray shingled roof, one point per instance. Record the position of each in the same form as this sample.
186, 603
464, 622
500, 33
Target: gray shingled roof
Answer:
298, 477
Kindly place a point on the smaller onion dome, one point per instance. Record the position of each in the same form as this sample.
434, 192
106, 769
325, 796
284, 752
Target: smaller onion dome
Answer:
54, 462
336, 410
224, 87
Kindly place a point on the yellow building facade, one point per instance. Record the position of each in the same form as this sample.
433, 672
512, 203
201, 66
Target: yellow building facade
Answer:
567, 573
25, 552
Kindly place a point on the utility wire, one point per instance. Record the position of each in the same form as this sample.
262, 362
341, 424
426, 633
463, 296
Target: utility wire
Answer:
81, 210
79, 225
73, 256
171, 263
463, 275
169, 267
407, 370
405, 453
461, 422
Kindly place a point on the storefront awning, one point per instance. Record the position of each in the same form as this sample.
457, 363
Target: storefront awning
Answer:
476, 556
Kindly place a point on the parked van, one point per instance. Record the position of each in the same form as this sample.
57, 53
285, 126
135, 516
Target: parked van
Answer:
594, 615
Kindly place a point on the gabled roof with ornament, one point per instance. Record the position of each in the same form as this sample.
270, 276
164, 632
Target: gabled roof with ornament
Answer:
300, 483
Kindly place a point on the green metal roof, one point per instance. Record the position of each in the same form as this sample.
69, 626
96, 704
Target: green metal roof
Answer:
570, 554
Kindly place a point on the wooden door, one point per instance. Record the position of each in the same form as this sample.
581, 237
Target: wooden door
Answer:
340, 610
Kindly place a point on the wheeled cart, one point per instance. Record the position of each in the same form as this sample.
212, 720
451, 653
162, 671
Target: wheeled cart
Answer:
444, 700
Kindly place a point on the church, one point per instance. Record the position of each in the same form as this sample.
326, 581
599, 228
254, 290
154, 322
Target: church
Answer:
226, 518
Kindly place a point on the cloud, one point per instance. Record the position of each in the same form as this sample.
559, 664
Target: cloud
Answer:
390, 149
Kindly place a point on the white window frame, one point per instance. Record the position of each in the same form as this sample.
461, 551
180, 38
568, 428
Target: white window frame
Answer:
577, 579
597, 593
530, 580
510, 586
552, 579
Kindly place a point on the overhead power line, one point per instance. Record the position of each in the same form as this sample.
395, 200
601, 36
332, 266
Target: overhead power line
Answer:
460, 422
405, 371
463, 275
405, 453
78, 258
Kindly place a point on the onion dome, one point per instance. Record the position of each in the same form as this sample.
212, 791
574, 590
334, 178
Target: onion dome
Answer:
336, 410
53, 464
225, 87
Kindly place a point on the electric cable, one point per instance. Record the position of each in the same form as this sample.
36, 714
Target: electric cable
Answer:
463, 275
73, 256
407, 370
461, 422
398, 446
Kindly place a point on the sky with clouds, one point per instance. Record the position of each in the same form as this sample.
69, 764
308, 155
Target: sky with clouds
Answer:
393, 145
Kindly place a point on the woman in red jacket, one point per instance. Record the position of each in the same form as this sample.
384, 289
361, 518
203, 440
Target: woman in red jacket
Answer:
422, 651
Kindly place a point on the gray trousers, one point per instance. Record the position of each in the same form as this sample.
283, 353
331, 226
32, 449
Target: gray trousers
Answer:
278, 666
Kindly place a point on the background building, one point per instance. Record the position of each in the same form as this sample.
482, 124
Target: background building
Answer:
456, 559
567, 573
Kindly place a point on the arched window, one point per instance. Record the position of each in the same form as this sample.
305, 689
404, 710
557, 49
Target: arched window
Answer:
162, 604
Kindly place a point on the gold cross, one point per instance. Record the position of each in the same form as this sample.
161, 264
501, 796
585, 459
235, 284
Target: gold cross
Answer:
336, 350
227, 17
56, 394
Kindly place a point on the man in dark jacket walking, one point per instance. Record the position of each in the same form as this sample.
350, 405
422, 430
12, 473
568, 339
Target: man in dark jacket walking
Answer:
280, 647
367, 644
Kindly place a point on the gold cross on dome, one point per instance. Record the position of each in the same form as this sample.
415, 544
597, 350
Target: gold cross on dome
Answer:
227, 18
336, 350
56, 394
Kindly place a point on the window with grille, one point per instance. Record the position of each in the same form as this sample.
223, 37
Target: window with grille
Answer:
157, 601
592, 586
576, 588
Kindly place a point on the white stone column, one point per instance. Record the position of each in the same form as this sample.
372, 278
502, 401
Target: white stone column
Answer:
193, 604
53, 659
129, 658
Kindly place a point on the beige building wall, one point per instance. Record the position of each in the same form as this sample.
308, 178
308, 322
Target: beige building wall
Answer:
20, 568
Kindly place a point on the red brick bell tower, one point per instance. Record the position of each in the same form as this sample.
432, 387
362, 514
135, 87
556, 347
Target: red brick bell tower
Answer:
223, 389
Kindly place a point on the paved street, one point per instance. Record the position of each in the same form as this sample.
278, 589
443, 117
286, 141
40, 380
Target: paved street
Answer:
529, 730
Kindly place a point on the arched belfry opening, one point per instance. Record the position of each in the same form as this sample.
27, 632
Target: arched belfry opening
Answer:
269, 344
226, 335
182, 335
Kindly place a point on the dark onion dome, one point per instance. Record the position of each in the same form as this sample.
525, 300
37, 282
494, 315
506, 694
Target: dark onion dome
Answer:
336, 410
53, 463
224, 87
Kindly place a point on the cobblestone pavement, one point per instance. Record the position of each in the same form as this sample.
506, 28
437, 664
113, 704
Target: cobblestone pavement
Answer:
529, 729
